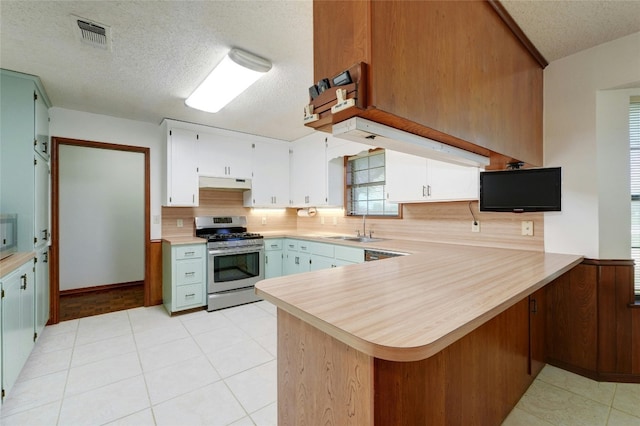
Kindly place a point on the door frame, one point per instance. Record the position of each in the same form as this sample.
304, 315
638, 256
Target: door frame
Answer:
54, 257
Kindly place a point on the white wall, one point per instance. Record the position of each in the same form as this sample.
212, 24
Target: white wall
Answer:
580, 136
102, 128
101, 216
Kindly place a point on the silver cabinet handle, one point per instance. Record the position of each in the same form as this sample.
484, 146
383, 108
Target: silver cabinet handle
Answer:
189, 274
274, 246
189, 253
24, 282
189, 295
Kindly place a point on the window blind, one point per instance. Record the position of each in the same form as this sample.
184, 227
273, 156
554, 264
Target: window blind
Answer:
366, 186
634, 144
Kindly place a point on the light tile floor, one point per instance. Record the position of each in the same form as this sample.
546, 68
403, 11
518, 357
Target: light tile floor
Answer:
142, 367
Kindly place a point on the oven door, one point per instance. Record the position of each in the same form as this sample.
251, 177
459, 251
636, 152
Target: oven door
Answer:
230, 269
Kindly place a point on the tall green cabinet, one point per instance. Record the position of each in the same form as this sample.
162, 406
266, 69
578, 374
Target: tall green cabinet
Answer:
25, 191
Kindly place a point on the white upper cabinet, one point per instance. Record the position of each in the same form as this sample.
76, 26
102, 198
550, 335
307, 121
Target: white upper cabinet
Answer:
224, 156
405, 177
452, 182
181, 184
317, 169
309, 171
415, 179
270, 176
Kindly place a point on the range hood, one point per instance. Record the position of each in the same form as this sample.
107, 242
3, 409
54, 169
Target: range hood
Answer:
224, 183
367, 132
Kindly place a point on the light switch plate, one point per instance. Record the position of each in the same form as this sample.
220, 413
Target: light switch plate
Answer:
527, 227
264, 220
179, 223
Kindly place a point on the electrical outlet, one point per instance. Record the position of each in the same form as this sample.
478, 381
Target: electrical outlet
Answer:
527, 227
264, 220
475, 226
179, 223
335, 220
156, 219
321, 220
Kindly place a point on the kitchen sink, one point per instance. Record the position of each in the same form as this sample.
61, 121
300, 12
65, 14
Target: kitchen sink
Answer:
356, 239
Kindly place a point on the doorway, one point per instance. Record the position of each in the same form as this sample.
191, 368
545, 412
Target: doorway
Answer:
101, 233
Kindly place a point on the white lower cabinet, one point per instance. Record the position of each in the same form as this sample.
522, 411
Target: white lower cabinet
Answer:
184, 276
273, 257
18, 302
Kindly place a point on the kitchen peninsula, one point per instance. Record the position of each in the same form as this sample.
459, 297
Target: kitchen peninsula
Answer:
448, 335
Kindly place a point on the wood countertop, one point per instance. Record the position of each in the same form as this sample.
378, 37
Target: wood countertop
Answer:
184, 240
14, 261
411, 307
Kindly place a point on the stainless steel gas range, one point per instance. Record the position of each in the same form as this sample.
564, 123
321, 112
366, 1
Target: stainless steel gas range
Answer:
234, 262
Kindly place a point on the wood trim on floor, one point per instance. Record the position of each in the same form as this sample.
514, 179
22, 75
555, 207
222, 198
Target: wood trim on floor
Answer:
105, 287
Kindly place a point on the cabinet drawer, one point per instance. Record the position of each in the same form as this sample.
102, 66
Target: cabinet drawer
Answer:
273, 244
189, 272
305, 246
291, 245
320, 249
188, 295
350, 254
189, 252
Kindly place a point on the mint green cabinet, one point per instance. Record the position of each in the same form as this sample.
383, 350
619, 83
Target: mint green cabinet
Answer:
18, 316
273, 257
303, 256
23, 139
41, 289
184, 276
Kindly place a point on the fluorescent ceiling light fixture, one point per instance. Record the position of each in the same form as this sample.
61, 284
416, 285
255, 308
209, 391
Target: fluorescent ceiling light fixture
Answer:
232, 76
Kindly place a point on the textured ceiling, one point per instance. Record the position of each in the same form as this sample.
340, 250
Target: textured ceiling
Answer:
561, 28
163, 49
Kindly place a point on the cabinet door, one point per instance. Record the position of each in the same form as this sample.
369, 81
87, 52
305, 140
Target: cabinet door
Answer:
42, 289
309, 171
452, 182
182, 170
537, 321
41, 125
224, 156
270, 179
273, 264
405, 177
41, 194
321, 262
17, 322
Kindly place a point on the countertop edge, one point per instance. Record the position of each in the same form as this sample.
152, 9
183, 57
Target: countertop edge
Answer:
13, 262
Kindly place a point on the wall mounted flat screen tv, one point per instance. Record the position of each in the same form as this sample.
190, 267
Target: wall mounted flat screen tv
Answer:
525, 190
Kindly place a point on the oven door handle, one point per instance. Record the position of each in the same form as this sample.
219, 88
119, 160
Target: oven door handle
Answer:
231, 251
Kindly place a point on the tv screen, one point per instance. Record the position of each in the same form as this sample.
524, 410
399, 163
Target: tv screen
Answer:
526, 190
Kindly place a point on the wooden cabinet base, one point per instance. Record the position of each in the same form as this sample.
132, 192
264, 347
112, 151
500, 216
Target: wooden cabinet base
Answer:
476, 380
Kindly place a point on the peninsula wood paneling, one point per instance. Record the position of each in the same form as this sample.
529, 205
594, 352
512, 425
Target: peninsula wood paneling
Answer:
572, 319
615, 293
320, 379
476, 380
592, 326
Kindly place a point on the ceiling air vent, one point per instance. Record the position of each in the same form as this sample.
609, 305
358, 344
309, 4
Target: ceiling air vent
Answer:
92, 33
